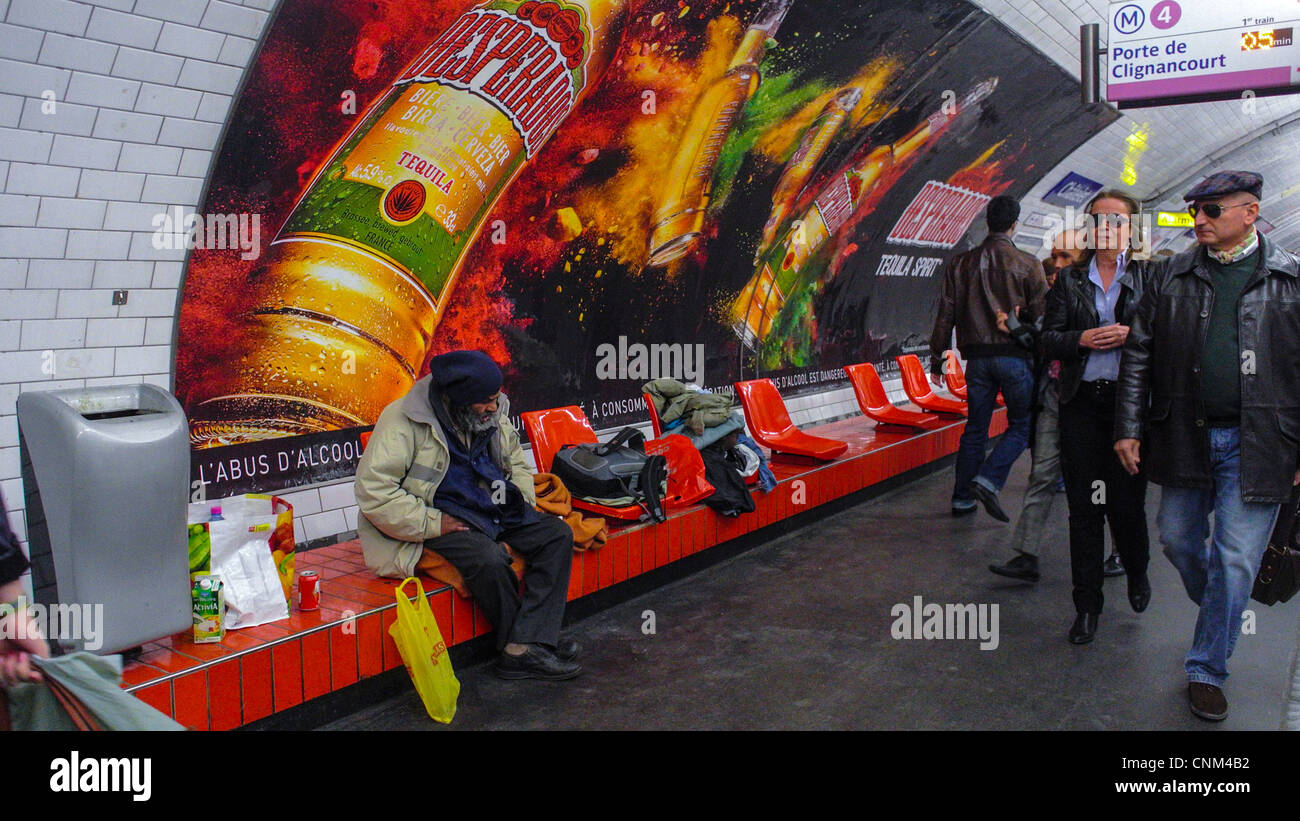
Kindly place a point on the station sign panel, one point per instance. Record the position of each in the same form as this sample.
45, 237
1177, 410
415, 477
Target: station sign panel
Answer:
1179, 51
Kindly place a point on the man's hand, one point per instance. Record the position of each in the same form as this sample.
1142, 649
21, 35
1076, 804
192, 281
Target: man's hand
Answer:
936, 379
1127, 450
1104, 338
16, 653
450, 524
1002, 322
1296, 480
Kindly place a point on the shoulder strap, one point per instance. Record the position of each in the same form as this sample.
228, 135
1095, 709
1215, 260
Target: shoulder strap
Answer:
626, 435
653, 473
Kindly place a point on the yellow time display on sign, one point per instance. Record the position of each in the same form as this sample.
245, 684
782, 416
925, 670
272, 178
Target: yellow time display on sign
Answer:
1255, 40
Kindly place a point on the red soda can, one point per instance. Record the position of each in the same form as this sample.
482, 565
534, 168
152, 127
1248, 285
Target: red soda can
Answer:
309, 590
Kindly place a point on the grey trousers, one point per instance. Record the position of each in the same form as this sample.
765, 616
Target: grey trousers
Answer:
1043, 475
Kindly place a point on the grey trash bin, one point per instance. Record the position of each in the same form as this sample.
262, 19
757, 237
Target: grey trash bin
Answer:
106, 474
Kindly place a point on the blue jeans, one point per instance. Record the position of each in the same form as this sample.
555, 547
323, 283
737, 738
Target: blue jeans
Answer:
985, 376
1218, 575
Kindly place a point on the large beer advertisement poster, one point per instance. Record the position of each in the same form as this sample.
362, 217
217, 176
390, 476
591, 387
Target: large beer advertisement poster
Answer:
596, 193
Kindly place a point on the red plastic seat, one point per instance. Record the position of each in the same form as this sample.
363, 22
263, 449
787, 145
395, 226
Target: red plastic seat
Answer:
365, 439
954, 375
686, 482
956, 378
770, 424
874, 401
919, 391
655, 422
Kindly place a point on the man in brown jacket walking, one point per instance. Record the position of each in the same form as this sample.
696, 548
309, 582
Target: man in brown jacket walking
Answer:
994, 276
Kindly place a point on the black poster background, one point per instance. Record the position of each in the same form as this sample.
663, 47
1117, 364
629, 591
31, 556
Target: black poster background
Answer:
1029, 123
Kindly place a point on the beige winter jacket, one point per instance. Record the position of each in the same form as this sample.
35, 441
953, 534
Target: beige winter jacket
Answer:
402, 466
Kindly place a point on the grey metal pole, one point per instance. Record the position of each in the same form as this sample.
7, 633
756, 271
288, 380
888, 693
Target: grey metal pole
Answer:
1089, 63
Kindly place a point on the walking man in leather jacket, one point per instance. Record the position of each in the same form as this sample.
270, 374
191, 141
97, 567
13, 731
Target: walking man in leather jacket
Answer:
1209, 404
994, 276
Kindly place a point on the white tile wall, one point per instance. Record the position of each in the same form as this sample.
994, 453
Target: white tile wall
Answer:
139, 90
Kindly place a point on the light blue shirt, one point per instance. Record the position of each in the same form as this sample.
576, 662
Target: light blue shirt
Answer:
1105, 364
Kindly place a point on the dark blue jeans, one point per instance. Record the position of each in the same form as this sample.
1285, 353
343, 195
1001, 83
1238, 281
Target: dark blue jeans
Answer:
985, 376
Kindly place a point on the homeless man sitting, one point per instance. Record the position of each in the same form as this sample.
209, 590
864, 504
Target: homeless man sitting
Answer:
444, 474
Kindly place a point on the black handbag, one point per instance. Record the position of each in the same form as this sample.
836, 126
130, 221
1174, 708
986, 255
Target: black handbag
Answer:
613, 469
1279, 571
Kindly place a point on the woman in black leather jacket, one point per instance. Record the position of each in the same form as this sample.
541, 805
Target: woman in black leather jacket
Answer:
1088, 314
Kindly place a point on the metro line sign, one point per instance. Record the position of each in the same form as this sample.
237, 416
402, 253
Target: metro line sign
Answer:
1179, 51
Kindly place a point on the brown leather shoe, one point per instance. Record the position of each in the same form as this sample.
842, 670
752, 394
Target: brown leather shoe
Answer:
1207, 701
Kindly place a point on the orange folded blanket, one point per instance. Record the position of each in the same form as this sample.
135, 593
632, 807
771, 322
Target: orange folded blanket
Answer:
553, 497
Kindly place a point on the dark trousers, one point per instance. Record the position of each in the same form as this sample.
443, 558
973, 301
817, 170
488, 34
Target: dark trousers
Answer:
1099, 490
547, 548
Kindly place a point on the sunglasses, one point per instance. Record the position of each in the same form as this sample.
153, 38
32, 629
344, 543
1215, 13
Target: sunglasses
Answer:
1113, 220
1213, 210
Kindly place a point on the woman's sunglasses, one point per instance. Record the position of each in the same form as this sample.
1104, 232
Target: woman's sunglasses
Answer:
1212, 209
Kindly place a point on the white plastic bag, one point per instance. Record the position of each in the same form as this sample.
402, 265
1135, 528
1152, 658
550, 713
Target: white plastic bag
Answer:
241, 556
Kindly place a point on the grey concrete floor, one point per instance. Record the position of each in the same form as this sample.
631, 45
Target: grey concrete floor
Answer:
796, 634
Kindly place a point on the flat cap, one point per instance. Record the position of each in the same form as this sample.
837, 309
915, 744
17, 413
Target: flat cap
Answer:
1227, 182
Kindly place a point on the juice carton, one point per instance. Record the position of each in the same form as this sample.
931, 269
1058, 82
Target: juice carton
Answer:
209, 597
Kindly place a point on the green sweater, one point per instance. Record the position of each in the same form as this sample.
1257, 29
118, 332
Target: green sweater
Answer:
1221, 357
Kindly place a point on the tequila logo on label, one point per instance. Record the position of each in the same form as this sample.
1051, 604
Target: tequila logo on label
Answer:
523, 63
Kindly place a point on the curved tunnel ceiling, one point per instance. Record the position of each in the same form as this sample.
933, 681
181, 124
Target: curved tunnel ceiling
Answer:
1159, 153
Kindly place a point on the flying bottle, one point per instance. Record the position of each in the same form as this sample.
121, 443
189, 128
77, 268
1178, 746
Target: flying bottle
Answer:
812, 147
678, 220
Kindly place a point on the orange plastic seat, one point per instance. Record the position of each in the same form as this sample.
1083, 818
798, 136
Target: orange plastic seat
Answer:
655, 422
365, 439
874, 401
955, 377
918, 388
770, 424
550, 430
686, 482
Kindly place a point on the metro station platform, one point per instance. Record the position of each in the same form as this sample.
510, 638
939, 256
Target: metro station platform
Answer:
796, 634
258, 674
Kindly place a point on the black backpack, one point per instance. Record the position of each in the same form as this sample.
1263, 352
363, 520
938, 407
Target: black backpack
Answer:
614, 469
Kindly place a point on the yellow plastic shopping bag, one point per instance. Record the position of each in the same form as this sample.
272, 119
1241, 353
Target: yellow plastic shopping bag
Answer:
425, 653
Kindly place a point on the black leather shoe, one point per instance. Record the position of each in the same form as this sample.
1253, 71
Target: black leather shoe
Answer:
535, 662
1139, 592
964, 511
990, 501
1083, 629
1023, 567
1113, 566
1207, 701
567, 650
